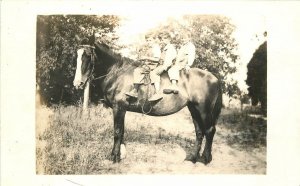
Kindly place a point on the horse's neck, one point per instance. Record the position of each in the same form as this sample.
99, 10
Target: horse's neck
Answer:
112, 64
105, 62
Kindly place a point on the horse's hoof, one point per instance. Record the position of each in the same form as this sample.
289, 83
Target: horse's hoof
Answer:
191, 158
206, 158
115, 158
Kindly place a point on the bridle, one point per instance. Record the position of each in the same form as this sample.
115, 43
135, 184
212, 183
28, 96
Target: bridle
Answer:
93, 61
90, 77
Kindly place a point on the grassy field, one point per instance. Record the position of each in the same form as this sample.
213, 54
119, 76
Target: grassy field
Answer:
70, 142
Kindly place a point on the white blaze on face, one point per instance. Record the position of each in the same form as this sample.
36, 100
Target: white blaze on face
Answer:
78, 75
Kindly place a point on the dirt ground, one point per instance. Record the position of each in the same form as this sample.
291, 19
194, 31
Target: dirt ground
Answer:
228, 157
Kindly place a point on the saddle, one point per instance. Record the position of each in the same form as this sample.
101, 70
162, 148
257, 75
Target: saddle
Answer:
146, 89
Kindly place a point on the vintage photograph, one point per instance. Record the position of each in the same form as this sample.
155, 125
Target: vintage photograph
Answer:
161, 94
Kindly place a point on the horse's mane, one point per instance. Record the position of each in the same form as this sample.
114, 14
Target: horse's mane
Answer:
120, 64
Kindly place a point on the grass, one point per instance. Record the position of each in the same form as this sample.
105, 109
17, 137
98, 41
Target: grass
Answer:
78, 144
75, 143
246, 132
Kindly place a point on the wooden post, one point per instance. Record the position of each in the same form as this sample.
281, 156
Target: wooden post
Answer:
86, 96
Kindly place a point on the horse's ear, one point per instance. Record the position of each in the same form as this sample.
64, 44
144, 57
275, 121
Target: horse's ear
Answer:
92, 38
85, 41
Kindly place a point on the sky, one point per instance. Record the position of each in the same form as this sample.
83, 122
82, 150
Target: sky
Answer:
248, 34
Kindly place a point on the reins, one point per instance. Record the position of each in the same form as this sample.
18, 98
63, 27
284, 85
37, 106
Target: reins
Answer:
99, 77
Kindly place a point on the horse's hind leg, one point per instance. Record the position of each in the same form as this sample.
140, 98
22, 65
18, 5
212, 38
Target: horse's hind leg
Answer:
204, 126
209, 135
210, 130
212, 113
199, 130
119, 116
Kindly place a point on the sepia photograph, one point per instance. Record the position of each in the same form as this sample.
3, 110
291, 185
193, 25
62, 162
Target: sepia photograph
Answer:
149, 95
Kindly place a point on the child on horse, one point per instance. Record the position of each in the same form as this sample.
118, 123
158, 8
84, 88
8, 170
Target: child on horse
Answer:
156, 65
184, 60
149, 55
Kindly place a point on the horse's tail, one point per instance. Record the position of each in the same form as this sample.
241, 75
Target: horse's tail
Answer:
217, 105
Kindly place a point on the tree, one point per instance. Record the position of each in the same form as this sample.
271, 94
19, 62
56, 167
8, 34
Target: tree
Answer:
56, 49
215, 46
56, 52
257, 77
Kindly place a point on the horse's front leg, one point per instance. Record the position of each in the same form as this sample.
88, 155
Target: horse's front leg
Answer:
119, 116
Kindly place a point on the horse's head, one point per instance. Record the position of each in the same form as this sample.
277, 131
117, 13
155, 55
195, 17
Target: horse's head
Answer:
85, 63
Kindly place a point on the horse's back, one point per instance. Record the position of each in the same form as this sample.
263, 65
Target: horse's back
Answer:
194, 86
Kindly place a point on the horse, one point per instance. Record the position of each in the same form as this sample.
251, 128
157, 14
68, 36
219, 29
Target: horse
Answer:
199, 90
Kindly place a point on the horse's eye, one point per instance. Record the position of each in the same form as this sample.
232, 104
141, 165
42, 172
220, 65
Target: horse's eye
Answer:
86, 53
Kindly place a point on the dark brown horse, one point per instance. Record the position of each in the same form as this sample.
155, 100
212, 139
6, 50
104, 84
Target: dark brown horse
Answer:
199, 90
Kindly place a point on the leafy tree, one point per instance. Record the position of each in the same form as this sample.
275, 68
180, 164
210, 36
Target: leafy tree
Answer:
56, 52
215, 46
257, 77
56, 49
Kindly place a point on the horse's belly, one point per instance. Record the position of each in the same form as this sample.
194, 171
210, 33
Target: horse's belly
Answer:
170, 104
